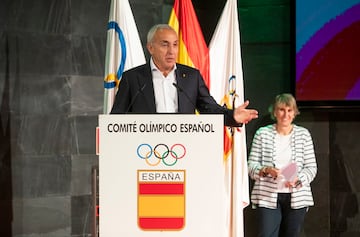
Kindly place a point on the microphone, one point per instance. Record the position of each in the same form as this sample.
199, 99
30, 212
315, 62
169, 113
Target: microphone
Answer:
134, 98
184, 92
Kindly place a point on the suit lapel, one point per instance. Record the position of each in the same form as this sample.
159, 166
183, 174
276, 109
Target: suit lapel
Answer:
145, 78
184, 103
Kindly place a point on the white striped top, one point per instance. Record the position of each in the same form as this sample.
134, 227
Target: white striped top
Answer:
262, 154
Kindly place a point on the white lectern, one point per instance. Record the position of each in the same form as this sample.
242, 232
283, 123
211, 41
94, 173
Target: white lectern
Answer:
162, 175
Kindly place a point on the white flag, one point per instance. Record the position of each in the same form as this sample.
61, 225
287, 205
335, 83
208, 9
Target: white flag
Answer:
226, 79
123, 48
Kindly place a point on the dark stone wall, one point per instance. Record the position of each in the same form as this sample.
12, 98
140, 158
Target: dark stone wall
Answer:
52, 55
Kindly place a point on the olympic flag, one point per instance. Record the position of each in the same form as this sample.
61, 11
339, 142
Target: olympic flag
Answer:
227, 88
123, 48
193, 50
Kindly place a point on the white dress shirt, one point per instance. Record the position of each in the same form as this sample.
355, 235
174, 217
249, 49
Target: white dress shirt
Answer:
166, 98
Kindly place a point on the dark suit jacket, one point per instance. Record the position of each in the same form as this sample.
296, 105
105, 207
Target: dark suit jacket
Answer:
136, 93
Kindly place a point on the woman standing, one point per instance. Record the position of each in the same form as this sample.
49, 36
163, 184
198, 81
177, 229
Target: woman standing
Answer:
282, 163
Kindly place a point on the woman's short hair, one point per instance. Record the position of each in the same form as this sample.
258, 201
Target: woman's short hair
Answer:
286, 99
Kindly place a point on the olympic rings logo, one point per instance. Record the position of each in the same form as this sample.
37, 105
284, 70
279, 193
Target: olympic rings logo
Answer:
161, 153
232, 85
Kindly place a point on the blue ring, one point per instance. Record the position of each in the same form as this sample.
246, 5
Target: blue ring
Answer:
144, 144
114, 25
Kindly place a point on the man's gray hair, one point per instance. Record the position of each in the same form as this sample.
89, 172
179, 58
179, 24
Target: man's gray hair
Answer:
152, 31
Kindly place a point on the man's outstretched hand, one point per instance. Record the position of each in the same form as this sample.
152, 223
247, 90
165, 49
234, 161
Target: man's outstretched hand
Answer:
244, 115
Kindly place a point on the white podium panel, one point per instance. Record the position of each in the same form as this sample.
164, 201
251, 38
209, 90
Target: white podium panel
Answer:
162, 175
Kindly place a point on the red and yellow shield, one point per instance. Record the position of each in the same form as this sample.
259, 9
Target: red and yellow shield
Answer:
161, 200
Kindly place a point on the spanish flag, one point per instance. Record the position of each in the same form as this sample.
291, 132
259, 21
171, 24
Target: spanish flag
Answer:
193, 50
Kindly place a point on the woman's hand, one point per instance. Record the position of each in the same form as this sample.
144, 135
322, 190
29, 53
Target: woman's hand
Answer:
269, 171
296, 183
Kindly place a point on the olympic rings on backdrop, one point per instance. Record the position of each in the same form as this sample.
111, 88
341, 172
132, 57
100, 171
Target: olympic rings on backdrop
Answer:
162, 153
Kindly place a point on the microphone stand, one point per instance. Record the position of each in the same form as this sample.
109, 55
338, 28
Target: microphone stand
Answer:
134, 98
232, 171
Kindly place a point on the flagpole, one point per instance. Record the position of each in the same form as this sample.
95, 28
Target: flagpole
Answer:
232, 183
232, 170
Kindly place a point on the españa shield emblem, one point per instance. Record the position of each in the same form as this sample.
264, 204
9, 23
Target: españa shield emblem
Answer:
161, 200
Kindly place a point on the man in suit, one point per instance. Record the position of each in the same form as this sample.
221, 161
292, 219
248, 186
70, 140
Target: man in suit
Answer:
163, 86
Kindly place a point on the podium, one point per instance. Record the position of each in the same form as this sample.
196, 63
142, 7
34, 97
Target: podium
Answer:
162, 175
